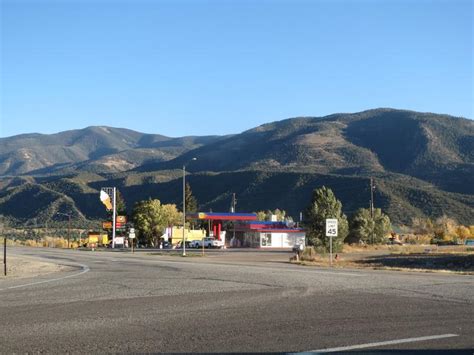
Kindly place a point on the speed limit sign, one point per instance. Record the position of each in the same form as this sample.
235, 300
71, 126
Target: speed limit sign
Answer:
331, 227
331, 231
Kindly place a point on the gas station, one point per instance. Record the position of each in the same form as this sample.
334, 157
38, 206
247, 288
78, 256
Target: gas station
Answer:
248, 232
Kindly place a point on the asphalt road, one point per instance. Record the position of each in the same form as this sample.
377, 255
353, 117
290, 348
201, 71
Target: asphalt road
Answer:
119, 302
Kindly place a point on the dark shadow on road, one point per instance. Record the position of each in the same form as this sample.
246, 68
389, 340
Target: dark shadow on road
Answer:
454, 262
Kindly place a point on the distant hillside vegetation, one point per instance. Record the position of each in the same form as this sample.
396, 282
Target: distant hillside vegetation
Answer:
423, 165
96, 149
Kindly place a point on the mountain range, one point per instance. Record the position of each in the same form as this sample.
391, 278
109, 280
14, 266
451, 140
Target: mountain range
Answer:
422, 163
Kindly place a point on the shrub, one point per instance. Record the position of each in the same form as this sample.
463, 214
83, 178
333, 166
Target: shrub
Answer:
418, 239
308, 254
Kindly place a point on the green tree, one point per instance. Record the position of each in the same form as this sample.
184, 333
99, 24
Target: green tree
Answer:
267, 215
191, 201
150, 217
325, 205
120, 204
367, 229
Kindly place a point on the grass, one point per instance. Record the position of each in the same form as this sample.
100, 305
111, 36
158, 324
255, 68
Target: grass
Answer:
455, 259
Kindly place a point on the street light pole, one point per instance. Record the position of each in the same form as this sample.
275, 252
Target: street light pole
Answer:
184, 206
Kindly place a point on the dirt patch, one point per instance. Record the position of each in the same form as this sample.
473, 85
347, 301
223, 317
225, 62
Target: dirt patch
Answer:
21, 267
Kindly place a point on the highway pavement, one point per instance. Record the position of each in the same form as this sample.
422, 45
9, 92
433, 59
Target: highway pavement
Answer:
120, 302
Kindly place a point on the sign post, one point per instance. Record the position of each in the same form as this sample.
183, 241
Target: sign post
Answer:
108, 196
131, 235
331, 231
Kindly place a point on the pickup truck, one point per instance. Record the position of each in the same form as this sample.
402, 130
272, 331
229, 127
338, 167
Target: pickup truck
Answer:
209, 242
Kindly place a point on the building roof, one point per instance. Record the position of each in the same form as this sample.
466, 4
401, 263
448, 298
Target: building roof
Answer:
223, 216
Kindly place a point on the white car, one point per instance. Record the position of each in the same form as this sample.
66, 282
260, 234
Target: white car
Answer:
195, 243
209, 242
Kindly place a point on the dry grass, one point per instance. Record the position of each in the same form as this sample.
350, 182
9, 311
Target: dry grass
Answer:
46, 242
452, 259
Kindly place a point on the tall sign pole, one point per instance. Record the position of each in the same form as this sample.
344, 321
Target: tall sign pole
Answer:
331, 231
114, 212
184, 209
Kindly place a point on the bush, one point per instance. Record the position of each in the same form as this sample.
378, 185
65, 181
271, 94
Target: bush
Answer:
418, 239
32, 243
308, 254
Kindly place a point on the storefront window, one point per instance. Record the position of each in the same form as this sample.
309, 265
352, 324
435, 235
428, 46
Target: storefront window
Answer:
266, 240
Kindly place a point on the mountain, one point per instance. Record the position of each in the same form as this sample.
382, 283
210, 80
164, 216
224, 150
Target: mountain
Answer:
423, 165
96, 149
435, 148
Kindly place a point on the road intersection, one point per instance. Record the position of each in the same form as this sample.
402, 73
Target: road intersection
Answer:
119, 302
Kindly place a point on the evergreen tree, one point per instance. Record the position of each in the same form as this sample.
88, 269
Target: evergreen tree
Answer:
191, 201
367, 229
325, 205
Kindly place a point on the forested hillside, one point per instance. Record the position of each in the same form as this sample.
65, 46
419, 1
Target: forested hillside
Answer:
423, 165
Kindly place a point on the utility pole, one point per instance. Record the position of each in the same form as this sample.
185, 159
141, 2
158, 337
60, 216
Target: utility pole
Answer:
372, 188
4, 250
233, 203
5, 255
68, 231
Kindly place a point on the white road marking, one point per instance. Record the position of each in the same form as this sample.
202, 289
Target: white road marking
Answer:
85, 269
383, 343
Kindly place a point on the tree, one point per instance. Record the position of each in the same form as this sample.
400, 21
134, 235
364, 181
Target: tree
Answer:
261, 216
367, 229
325, 205
120, 204
445, 228
422, 226
150, 217
267, 215
191, 202
463, 233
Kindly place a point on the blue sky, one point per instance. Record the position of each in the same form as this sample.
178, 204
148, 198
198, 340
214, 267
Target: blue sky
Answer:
215, 67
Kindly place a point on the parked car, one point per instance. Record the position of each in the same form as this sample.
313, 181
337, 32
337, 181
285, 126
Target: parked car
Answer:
195, 243
209, 242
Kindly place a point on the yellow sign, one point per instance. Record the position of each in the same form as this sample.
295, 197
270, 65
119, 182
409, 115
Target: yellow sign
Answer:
94, 239
106, 200
107, 225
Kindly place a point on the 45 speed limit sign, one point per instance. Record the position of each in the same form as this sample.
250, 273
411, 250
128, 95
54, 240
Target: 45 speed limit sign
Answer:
331, 227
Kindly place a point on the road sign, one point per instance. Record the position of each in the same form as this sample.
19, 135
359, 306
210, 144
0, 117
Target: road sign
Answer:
131, 235
331, 231
331, 227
